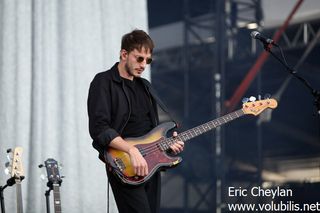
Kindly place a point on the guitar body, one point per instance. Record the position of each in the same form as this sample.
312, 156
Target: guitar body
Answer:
148, 145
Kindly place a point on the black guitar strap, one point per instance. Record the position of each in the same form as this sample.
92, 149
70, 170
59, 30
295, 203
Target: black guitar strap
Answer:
159, 102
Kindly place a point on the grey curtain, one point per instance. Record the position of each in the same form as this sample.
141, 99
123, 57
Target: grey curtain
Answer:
49, 52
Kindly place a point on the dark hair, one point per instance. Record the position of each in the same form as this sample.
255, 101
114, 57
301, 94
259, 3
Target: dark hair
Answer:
136, 40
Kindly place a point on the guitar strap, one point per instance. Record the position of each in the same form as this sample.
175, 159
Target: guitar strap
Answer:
160, 103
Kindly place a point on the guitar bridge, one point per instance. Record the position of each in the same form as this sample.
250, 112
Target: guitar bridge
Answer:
119, 163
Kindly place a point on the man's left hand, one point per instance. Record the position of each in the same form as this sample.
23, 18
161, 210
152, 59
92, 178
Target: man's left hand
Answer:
177, 147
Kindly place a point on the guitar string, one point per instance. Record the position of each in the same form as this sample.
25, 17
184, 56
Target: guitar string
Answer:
210, 125
196, 131
182, 136
169, 141
166, 143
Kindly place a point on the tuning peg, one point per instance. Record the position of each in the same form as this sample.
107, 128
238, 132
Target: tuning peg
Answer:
245, 100
43, 177
8, 157
41, 165
259, 97
7, 164
7, 171
252, 98
267, 96
7, 168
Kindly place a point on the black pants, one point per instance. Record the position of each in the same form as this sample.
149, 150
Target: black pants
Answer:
144, 198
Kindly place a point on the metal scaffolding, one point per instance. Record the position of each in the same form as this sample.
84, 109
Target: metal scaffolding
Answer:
212, 40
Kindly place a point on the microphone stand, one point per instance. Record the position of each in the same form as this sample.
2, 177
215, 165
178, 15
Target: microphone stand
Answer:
314, 92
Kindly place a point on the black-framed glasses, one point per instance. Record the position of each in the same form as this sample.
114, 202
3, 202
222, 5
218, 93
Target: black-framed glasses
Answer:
140, 59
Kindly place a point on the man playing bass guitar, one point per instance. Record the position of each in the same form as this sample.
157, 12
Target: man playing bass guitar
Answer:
123, 105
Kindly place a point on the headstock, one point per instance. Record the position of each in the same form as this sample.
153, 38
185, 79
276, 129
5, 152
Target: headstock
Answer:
256, 107
53, 174
16, 170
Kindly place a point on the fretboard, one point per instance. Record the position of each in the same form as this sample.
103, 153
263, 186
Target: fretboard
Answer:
198, 130
19, 196
56, 198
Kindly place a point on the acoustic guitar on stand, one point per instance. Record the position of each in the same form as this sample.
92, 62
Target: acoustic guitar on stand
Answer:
154, 145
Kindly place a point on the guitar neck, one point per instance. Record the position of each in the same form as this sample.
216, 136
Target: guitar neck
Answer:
56, 198
199, 130
19, 196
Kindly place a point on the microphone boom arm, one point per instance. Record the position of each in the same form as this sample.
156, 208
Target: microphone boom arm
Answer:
314, 92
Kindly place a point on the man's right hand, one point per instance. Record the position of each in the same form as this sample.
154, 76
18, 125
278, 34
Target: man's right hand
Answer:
138, 162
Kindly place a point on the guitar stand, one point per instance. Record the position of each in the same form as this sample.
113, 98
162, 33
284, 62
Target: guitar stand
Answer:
10, 182
47, 194
2, 198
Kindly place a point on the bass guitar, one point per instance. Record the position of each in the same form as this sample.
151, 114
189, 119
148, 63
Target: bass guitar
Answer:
154, 145
17, 175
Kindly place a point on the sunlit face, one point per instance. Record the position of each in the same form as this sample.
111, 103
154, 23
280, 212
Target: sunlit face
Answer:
136, 61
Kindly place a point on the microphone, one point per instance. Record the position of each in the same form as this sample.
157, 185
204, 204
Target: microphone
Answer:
264, 40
